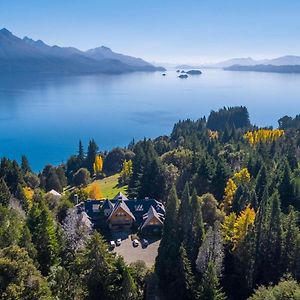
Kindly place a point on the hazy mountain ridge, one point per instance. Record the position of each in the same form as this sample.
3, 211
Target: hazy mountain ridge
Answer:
287, 60
29, 56
266, 68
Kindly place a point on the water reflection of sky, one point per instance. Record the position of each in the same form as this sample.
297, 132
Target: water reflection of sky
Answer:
45, 117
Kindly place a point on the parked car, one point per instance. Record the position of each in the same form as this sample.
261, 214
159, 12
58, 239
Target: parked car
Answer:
135, 243
118, 242
112, 244
145, 243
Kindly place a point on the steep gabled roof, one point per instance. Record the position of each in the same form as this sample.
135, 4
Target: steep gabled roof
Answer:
120, 196
152, 213
54, 193
123, 206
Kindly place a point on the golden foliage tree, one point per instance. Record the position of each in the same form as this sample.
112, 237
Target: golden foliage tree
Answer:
263, 136
94, 191
243, 222
227, 228
28, 193
126, 172
98, 164
235, 228
242, 176
229, 193
213, 135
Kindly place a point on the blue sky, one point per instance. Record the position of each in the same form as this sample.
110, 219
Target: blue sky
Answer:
178, 31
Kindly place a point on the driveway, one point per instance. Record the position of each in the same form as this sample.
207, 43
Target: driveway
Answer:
133, 254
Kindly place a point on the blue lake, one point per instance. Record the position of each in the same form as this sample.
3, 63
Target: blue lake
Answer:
44, 118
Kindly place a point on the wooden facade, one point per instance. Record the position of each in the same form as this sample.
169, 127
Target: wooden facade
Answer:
120, 219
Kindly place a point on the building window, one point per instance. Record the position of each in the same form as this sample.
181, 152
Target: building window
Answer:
96, 207
120, 214
139, 207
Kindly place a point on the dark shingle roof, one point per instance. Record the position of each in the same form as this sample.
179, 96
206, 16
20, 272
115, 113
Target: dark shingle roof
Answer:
107, 204
137, 207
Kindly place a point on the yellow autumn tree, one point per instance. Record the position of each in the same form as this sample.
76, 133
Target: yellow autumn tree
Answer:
235, 228
238, 178
227, 228
242, 176
263, 135
98, 164
94, 191
229, 193
213, 135
28, 193
243, 222
126, 172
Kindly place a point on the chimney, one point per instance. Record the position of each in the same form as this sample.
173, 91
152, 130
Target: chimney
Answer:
76, 199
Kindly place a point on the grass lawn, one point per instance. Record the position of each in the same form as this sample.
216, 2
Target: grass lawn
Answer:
109, 186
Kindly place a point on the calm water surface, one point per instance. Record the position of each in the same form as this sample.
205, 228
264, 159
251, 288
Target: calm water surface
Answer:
44, 118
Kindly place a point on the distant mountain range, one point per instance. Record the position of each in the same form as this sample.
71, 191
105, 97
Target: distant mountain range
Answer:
288, 60
29, 56
266, 68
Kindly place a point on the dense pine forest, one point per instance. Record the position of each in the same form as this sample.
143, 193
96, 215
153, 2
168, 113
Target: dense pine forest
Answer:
232, 197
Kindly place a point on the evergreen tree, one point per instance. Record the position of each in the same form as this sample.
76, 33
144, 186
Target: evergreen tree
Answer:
81, 155
25, 167
42, 227
269, 256
152, 182
244, 263
128, 288
52, 182
25, 242
11, 173
11, 224
22, 198
243, 196
166, 265
203, 177
289, 248
296, 190
286, 188
146, 175
91, 155
4, 193
226, 135
197, 231
99, 270
185, 285
261, 182
261, 228
184, 215
210, 286
220, 179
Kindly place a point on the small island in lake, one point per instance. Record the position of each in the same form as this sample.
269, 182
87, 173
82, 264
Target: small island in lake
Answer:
194, 72
183, 76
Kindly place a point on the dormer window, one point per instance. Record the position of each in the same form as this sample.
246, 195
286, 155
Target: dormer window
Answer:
139, 207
